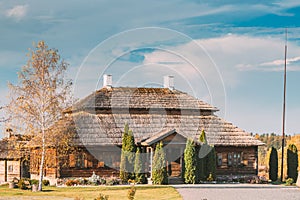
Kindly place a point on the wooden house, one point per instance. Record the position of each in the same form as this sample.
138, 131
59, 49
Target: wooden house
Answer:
154, 115
14, 163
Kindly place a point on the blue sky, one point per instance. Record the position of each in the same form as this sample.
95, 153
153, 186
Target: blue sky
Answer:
228, 53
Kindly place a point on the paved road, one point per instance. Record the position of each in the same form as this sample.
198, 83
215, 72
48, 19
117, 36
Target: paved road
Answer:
238, 192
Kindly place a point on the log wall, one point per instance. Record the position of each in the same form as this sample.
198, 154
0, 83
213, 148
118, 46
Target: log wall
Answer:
246, 166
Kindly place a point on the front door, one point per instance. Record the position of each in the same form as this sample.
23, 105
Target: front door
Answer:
174, 162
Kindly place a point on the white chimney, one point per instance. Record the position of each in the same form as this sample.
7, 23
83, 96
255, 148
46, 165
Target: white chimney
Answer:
107, 80
169, 82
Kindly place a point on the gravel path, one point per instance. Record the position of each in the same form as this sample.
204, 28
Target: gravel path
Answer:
238, 192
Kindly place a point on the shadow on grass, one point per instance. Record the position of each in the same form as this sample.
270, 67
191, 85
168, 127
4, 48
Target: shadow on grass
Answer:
48, 190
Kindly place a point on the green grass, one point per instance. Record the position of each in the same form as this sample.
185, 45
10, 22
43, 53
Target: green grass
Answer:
114, 192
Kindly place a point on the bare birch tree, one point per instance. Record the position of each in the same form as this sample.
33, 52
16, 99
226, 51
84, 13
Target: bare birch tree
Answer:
39, 97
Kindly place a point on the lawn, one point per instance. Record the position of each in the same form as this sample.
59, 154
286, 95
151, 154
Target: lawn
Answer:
86, 193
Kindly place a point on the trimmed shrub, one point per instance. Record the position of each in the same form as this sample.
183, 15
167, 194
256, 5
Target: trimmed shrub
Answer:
127, 155
292, 162
190, 162
273, 165
46, 182
138, 168
159, 171
123, 163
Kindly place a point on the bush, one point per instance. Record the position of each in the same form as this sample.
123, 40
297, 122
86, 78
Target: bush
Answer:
210, 178
46, 182
289, 181
24, 183
71, 182
113, 181
15, 180
102, 181
94, 179
131, 193
102, 197
34, 182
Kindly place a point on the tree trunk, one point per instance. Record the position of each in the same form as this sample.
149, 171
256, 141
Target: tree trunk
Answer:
42, 162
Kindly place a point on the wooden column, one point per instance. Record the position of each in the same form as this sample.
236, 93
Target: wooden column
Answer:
181, 162
151, 161
5, 170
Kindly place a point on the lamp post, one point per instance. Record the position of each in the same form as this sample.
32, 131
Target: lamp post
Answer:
283, 109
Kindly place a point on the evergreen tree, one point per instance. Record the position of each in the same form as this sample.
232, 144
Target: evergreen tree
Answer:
273, 165
190, 162
211, 164
198, 164
202, 152
123, 172
138, 168
292, 162
123, 163
159, 171
127, 155
131, 149
203, 137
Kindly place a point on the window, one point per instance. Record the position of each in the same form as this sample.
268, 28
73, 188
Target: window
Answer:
80, 160
229, 159
10, 168
219, 159
72, 160
234, 159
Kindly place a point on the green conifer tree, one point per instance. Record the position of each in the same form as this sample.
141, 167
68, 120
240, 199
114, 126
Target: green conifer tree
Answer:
292, 162
138, 168
123, 163
190, 162
202, 152
211, 164
131, 149
202, 137
159, 171
273, 165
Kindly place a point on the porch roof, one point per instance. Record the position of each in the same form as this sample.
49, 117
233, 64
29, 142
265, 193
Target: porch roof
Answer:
158, 137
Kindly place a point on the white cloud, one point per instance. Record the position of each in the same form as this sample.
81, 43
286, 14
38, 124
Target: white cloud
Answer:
240, 52
18, 12
281, 62
228, 54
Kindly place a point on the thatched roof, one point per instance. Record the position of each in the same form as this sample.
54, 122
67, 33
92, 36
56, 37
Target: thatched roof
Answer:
167, 111
103, 129
140, 98
9, 149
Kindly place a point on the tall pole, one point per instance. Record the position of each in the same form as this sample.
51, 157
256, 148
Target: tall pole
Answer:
283, 109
